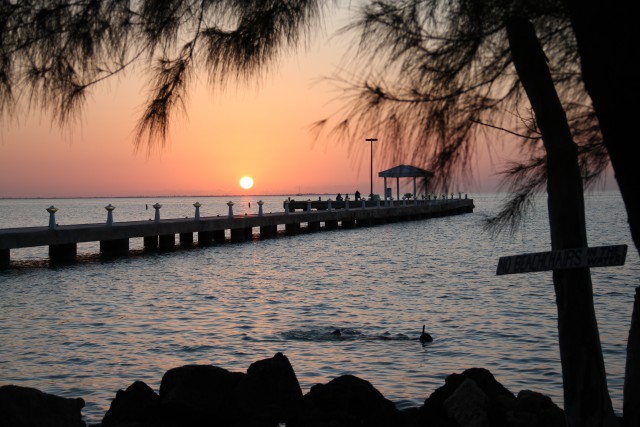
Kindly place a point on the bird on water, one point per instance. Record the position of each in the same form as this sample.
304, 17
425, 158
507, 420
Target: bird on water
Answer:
425, 337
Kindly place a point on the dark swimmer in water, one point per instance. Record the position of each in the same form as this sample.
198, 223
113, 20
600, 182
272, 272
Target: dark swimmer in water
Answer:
425, 337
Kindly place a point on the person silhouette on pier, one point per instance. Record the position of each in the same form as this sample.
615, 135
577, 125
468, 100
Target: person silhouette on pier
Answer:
339, 197
357, 195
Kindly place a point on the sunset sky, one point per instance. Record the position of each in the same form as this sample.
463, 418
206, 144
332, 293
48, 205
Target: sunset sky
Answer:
262, 131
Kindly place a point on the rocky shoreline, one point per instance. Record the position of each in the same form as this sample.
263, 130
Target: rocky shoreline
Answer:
269, 395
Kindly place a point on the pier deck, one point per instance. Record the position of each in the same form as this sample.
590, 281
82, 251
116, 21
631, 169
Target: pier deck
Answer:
114, 238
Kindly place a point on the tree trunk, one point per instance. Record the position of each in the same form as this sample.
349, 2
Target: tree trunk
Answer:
631, 404
586, 397
608, 34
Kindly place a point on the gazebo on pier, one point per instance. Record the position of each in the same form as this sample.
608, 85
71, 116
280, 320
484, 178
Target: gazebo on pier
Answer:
404, 171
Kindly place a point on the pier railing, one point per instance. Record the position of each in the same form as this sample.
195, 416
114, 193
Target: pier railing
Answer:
160, 234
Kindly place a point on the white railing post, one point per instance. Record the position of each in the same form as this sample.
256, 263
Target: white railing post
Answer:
157, 207
109, 209
52, 216
197, 214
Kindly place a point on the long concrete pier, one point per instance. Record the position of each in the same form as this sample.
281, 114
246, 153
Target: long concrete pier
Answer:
161, 234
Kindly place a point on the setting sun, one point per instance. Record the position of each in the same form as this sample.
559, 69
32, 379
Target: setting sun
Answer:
246, 182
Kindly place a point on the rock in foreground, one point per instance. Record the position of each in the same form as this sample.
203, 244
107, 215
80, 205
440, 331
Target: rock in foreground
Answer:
28, 407
475, 399
269, 395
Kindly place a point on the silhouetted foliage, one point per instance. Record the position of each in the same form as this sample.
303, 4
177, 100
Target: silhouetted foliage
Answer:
439, 75
51, 52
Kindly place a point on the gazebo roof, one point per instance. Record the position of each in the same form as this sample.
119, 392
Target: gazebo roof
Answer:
405, 171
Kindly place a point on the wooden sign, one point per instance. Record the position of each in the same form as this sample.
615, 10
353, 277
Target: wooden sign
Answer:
600, 256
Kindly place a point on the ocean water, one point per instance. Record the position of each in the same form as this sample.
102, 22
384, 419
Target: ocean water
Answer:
89, 329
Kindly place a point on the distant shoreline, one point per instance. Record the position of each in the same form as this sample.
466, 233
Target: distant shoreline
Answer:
497, 193
158, 196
